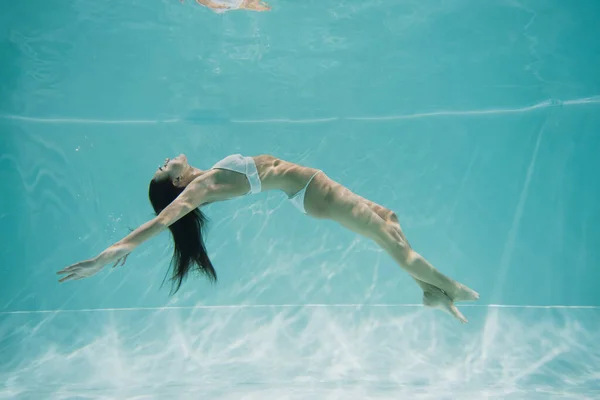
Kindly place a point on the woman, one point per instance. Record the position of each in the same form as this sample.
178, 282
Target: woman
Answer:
225, 5
177, 190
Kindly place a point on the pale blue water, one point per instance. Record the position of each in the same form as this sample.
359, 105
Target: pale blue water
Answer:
477, 122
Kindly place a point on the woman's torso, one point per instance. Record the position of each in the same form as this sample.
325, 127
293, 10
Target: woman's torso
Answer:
274, 174
278, 174
230, 3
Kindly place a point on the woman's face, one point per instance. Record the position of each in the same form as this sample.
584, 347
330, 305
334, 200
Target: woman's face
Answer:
174, 169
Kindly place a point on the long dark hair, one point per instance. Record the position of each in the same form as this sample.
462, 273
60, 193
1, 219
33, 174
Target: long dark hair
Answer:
187, 234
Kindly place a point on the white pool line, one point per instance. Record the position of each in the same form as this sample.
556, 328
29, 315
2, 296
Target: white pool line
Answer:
285, 120
275, 306
91, 121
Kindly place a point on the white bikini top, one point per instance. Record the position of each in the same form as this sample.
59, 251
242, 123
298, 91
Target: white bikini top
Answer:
243, 165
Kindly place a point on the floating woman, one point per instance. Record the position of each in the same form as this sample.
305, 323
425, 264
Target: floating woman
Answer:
178, 190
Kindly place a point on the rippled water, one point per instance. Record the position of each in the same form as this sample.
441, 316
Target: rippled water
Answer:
293, 352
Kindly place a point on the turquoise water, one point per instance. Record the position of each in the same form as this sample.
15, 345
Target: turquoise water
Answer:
477, 122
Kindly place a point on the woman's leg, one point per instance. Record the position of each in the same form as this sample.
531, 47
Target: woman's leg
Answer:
394, 241
433, 296
382, 226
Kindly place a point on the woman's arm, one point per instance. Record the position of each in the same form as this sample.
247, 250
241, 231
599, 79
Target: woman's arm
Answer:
200, 191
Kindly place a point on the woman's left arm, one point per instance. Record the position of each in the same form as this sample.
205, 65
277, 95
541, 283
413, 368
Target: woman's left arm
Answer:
195, 194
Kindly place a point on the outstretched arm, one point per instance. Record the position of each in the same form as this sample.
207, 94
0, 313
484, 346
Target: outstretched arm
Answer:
198, 192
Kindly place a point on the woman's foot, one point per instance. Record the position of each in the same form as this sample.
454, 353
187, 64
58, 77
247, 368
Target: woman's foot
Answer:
463, 293
435, 298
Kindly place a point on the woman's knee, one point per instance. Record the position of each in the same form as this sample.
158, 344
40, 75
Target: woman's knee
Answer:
390, 235
392, 217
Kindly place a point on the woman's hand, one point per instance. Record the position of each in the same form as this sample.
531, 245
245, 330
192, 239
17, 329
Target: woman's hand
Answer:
87, 268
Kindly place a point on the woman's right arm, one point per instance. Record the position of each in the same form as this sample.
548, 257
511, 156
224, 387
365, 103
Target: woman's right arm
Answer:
200, 191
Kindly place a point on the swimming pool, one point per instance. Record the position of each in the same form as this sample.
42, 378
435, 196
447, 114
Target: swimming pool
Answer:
477, 122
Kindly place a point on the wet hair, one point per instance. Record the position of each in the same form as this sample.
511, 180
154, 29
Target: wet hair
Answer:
187, 232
